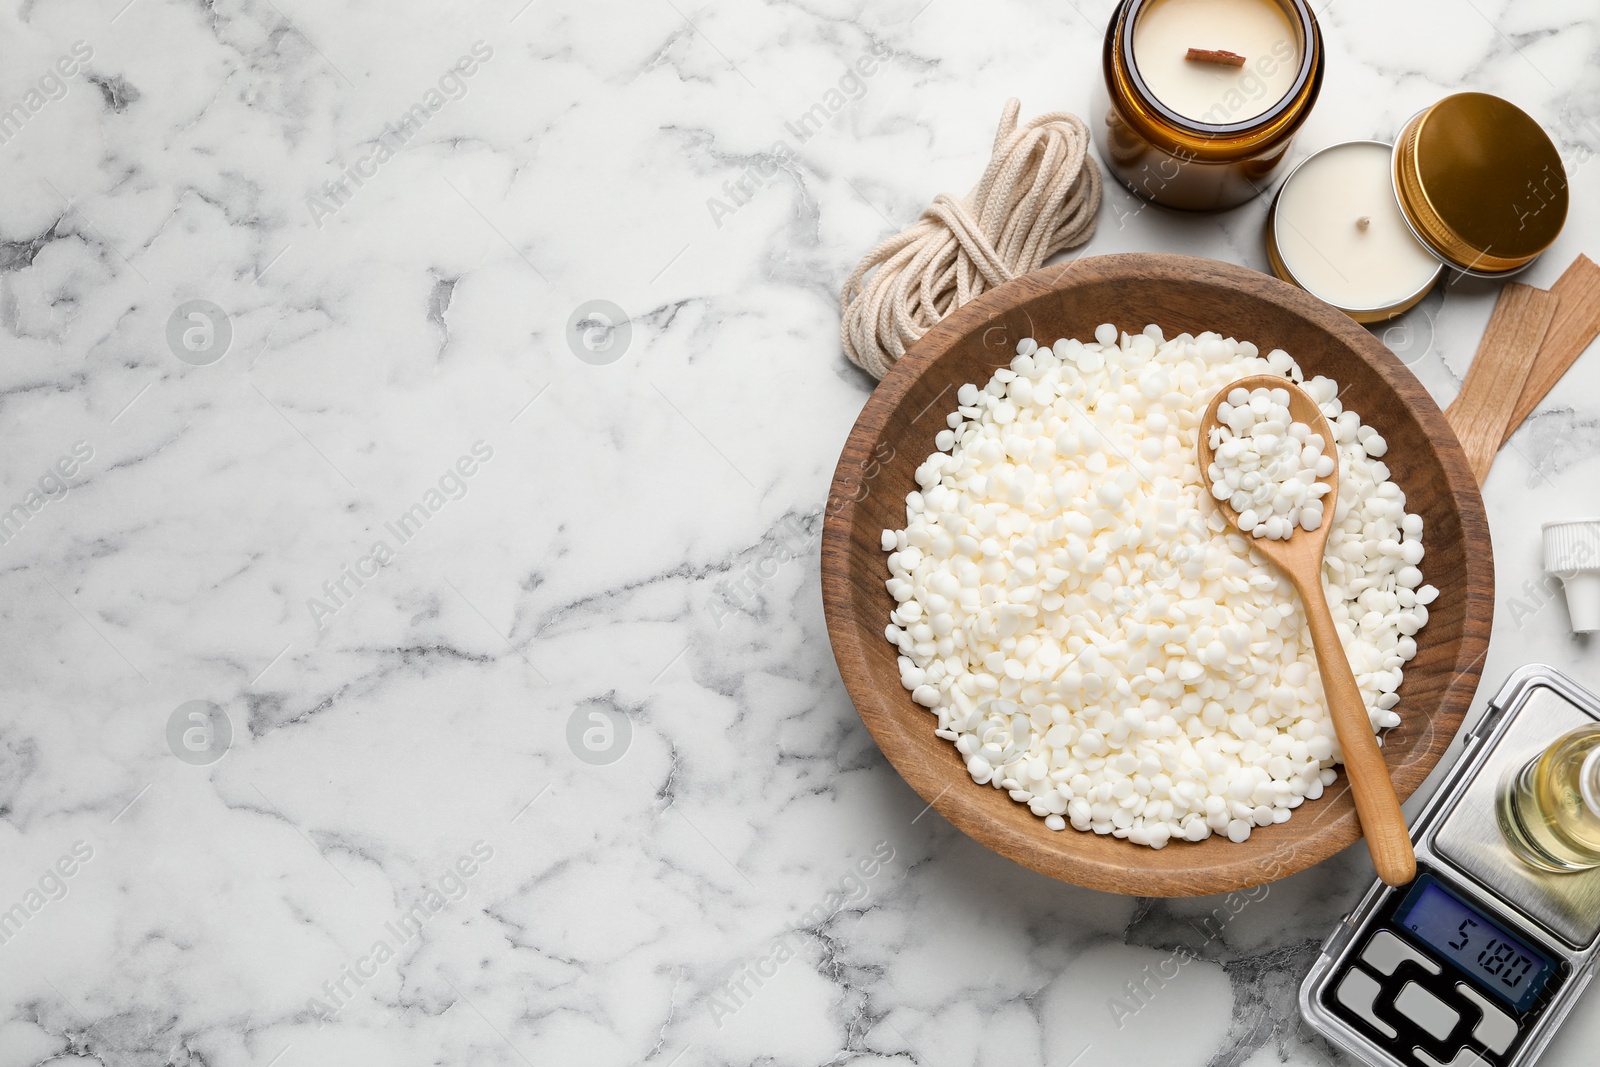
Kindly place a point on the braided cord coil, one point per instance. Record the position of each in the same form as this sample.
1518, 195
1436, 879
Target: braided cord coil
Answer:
1039, 195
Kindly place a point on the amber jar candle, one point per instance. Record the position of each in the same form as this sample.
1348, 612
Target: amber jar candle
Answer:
1201, 98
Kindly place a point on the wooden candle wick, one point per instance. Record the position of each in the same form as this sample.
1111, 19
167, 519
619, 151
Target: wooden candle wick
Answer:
1576, 323
1480, 412
1215, 55
1532, 338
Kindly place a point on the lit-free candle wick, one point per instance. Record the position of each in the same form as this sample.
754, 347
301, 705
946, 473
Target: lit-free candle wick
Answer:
1363, 222
1215, 55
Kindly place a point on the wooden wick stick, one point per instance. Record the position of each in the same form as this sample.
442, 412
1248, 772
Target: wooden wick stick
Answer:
1576, 323
1215, 55
1482, 410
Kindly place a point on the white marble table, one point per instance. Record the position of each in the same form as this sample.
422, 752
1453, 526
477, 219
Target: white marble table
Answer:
382, 838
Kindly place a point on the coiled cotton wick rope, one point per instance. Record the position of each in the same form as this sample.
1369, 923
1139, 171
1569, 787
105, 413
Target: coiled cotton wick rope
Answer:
1040, 195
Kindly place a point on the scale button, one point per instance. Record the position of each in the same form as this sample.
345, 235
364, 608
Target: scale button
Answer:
1496, 1029
1464, 1058
1386, 952
1426, 1010
1358, 992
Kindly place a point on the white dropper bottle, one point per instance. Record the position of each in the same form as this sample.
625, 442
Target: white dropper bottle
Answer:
1572, 555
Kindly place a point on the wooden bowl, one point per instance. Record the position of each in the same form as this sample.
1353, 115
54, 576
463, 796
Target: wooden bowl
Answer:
895, 433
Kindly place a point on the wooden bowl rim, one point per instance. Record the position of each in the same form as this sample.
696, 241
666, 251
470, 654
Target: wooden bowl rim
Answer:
959, 805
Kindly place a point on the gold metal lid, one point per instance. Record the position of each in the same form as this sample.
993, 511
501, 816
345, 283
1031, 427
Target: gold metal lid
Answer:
1481, 183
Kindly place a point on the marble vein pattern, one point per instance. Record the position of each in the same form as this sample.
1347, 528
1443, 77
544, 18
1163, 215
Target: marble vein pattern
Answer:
417, 424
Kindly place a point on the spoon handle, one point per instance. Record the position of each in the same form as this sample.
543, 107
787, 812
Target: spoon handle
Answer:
1388, 840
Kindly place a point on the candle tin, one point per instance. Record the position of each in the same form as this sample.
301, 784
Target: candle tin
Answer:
1479, 183
1366, 314
1187, 163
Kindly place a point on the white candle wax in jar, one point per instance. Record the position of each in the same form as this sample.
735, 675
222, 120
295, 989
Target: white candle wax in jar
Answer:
1340, 234
1216, 93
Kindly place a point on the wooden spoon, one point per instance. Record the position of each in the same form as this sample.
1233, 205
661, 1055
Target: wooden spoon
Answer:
1300, 557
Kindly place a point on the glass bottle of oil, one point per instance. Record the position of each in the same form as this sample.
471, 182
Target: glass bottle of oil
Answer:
1549, 810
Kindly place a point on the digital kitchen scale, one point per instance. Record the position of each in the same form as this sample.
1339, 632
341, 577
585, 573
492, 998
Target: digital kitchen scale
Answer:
1477, 961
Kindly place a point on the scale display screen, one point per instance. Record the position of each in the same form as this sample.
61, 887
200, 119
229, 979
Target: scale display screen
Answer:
1499, 962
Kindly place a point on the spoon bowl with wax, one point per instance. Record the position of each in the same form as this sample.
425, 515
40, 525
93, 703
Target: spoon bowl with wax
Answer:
1265, 449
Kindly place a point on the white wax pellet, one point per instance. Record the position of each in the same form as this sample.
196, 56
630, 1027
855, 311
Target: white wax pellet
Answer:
1266, 465
1092, 635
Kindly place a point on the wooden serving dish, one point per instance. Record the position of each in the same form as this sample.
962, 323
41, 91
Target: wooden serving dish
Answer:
895, 433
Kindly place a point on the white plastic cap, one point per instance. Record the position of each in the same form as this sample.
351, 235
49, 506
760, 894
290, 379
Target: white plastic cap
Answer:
1572, 554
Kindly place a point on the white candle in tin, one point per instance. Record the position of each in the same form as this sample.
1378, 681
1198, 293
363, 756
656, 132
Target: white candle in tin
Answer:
1217, 93
1341, 236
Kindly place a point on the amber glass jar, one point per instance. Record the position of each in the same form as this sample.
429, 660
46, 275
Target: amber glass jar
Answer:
1204, 162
